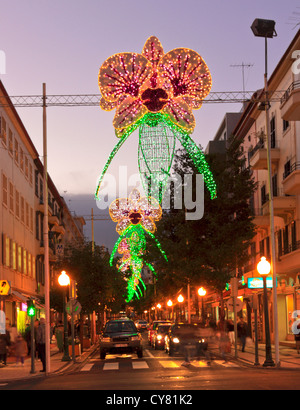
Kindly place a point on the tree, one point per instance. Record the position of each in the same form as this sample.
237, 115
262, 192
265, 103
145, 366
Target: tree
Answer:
209, 251
98, 284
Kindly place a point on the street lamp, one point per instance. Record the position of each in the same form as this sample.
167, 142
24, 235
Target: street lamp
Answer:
170, 304
202, 293
180, 299
64, 281
266, 29
264, 269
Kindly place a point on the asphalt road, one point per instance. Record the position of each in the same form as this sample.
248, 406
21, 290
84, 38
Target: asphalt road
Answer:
157, 377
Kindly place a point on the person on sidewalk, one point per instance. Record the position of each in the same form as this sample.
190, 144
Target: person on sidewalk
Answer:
4, 343
242, 332
41, 342
20, 350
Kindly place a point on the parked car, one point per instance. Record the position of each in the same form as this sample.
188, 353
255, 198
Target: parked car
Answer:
120, 336
141, 325
152, 328
158, 338
183, 334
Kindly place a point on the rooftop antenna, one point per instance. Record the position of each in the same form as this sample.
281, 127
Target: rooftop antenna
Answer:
296, 20
243, 66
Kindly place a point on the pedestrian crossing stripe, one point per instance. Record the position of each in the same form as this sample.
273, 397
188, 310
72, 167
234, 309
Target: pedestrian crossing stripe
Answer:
167, 364
226, 364
111, 366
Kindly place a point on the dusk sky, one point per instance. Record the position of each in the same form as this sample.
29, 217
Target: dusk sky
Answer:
63, 43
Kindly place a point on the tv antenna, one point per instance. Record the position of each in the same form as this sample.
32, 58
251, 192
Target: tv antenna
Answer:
243, 66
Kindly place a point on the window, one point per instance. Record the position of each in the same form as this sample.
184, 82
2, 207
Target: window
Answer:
14, 255
31, 219
22, 209
7, 251
17, 204
285, 125
33, 267
26, 167
20, 251
29, 264
21, 159
25, 261
273, 132
287, 169
4, 190
11, 197
274, 185
3, 130
10, 142
264, 197
30, 173
27, 214
16, 151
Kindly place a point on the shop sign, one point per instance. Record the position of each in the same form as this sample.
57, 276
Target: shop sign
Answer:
257, 283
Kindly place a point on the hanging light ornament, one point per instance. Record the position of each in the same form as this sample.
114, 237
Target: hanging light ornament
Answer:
135, 218
156, 93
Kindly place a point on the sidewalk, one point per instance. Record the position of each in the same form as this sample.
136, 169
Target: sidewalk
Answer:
14, 372
288, 356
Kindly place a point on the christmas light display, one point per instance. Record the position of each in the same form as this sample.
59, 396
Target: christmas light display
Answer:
156, 93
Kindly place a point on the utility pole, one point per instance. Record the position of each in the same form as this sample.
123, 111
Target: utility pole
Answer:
46, 237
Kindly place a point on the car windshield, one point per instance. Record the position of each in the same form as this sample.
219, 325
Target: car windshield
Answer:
155, 325
163, 329
116, 327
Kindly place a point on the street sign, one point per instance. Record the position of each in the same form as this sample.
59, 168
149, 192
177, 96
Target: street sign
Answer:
4, 287
73, 306
238, 304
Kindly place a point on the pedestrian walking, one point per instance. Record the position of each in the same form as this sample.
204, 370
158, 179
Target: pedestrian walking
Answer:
224, 344
297, 339
4, 344
41, 342
20, 350
242, 332
230, 328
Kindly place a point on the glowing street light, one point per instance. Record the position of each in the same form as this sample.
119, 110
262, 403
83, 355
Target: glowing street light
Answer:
202, 293
64, 281
264, 268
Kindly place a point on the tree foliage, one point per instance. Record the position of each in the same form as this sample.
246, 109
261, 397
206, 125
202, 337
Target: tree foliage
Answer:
210, 250
98, 284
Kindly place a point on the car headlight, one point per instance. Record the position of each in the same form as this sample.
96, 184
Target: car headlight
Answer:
105, 339
159, 337
135, 338
175, 340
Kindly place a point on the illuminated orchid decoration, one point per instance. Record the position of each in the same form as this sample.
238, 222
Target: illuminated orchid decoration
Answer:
156, 92
135, 216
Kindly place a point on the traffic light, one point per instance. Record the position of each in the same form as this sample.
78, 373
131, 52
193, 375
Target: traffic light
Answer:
31, 308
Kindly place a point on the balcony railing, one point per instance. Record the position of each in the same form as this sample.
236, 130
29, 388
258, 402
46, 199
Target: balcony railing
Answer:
294, 86
294, 167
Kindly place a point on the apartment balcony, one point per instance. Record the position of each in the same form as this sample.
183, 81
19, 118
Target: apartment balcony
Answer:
258, 156
260, 220
291, 180
283, 205
290, 103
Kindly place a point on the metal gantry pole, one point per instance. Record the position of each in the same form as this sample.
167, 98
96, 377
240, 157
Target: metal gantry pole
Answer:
46, 237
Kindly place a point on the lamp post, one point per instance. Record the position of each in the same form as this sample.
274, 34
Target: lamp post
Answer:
202, 293
170, 304
264, 268
64, 281
180, 299
266, 29
158, 307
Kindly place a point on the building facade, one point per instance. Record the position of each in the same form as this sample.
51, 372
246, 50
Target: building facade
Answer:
21, 218
284, 128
